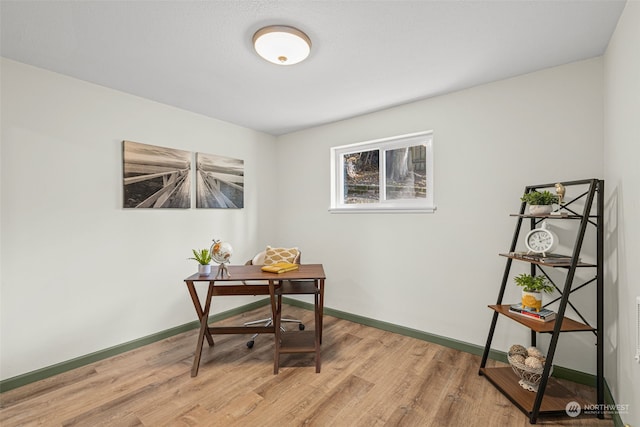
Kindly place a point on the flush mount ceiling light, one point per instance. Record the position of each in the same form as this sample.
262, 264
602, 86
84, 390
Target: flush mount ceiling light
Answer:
281, 44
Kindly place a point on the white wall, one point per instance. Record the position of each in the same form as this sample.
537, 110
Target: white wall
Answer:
438, 272
79, 272
622, 151
61, 197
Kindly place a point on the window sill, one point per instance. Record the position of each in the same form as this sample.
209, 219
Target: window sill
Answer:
397, 210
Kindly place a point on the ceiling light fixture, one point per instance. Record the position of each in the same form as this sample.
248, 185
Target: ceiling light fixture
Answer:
281, 44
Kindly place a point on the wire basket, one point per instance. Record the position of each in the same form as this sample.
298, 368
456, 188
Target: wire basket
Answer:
529, 377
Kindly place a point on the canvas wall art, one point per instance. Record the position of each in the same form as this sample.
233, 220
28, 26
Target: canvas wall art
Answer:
219, 182
156, 177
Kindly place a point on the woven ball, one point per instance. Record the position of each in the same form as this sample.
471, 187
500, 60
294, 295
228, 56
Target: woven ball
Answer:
518, 349
533, 362
534, 352
518, 358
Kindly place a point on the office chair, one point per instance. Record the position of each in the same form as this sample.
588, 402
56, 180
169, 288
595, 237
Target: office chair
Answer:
271, 256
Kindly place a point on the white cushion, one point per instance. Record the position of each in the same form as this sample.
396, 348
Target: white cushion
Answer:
258, 259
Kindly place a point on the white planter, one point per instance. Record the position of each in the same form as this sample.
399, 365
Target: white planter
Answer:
204, 269
532, 300
540, 209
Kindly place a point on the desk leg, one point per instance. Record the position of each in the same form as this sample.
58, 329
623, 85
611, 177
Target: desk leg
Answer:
320, 307
276, 307
318, 334
204, 330
198, 307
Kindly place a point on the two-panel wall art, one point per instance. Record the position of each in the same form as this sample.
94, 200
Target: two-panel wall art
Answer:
160, 177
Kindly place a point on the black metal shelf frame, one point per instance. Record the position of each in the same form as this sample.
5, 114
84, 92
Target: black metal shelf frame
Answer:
594, 193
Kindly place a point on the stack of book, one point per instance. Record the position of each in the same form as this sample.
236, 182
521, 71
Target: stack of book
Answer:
547, 259
280, 267
544, 315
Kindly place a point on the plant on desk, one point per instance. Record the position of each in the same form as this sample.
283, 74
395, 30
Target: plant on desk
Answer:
204, 261
532, 288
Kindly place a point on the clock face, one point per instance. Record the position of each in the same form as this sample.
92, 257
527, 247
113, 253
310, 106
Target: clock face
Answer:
540, 241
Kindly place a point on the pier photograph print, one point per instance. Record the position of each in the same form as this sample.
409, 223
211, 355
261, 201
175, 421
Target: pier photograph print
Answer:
219, 182
156, 177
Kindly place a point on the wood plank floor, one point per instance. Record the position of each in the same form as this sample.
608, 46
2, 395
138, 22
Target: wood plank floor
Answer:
369, 378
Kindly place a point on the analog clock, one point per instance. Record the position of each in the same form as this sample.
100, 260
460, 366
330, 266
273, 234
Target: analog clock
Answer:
541, 240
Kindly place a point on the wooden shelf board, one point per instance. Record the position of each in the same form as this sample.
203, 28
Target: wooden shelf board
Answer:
568, 325
298, 342
546, 264
297, 287
555, 399
562, 216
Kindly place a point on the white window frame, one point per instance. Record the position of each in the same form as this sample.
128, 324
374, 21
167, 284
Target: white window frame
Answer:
423, 205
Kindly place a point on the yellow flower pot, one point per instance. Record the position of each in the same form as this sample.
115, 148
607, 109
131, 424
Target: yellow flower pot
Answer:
532, 300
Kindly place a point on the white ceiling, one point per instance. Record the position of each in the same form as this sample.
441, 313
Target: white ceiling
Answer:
367, 55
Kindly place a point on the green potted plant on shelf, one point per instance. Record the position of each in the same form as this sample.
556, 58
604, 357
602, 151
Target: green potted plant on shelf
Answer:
203, 257
539, 202
532, 288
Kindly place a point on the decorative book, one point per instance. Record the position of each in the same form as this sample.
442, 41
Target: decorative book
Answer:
544, 315
280, 267
547, 259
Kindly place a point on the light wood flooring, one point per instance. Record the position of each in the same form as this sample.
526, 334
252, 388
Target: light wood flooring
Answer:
369, 378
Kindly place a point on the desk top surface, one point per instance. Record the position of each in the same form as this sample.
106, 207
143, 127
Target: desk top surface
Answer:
254, 272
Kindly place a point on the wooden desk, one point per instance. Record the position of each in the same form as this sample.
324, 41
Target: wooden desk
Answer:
226, 286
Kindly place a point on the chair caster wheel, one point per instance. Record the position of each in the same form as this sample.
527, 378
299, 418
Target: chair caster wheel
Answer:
250, 344
301, 326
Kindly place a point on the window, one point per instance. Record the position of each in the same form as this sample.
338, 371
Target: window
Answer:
391, 174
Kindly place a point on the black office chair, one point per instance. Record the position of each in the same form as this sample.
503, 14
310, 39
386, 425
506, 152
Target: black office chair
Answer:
272, 255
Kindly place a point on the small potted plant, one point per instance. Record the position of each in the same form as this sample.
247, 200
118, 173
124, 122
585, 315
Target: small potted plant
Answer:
204, 259
539, 202
532, 288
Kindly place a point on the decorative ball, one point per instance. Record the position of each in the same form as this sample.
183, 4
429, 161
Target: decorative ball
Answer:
518, 358
533, 362
221, 251
534, 352
518, 349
